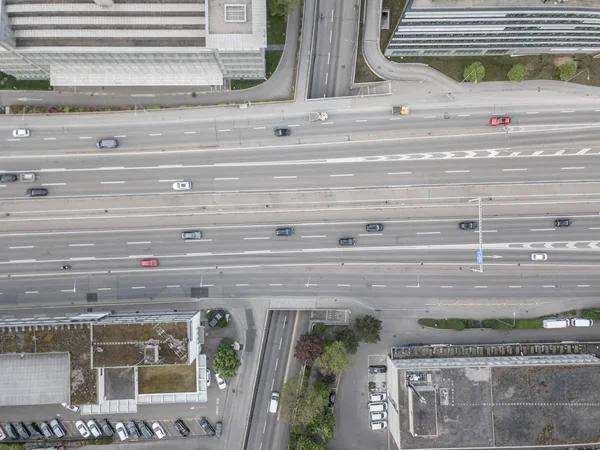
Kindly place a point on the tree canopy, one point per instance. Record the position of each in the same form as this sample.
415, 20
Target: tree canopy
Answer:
475, 72
308, 349
226, 362
368, 329
334, 359
518, 72
282, 7
349, 338
299, 406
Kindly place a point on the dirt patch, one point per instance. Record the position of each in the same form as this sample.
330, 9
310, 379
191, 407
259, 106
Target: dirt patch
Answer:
154, 380
560, 60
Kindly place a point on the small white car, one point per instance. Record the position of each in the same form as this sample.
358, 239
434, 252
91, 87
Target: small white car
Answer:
121, 431
378, 397
539, 256
220, 381
83, 429
73, 408
182, 185
378, 416
21, 133
159, 431
379, 425
94, 428
207, 377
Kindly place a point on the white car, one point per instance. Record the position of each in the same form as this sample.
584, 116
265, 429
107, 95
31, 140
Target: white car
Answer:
94, 428
220, 381
378, 397
207, 377
376, 416
21, 133
121, 431
539, 256
159, 431
83, 429
182, 185
379, 425
73, 408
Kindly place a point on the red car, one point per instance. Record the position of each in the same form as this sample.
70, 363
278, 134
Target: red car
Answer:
150, 262
496, 121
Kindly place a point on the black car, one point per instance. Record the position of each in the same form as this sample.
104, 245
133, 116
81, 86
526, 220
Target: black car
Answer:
34, 431
145, 429
468, 225
562, 223
347, 241
8, 177
133, 430
22, 430
215, 319
332, 398
374, 227
207, 427
284, 231
377, 369
37, 192
107, 428
279, 132
189, 235
182, 427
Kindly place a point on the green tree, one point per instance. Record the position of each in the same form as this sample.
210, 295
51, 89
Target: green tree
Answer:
226, 361
567, 70
518, 72
282, 7
321, 429
368, 329
475, 72
334, 359
308, 443
349, 338
308, 349
299, 404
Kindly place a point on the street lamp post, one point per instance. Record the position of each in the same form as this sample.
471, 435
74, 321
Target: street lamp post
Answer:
474, 70
480, 228
579, 73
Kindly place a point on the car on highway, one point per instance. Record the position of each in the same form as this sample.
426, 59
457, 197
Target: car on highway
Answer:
563, 222
182, 185
220, 381
374, 227
279, 132
377, 397
377, 369
121, 431
289, 231
94, 428
274, 402
539, 256
21, 133
331, 398
207, 427
73, 408
153, 262
347, 241
498, 121
380, 425
208, 377
471, 225
57, 428
182, 427
107, 428
107, 143
133, 430
37, 192
83, 429
375, 416
159, 431
8, 178
190, 235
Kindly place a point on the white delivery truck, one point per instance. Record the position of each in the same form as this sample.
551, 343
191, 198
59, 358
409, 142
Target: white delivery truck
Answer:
555, 323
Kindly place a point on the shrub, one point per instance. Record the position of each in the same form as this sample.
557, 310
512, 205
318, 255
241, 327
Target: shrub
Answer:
318, 329
474, 73
518, 72
567, 70
593, 314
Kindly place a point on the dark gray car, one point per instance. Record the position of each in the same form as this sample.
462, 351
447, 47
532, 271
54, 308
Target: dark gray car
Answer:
207, 427
133, 430
289, 231
46, 430
8, 177
22, 430
347, 241
215, 319
145, 429
107, 143
10, 430
196, 234
107, 428
279, 132
37, 192
374, 227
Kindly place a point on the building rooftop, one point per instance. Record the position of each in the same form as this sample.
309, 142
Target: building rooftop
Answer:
497, 4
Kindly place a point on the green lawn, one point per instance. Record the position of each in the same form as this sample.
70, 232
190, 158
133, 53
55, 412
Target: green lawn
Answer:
273, 57
8, 82
541, 67
180, 378
276, 26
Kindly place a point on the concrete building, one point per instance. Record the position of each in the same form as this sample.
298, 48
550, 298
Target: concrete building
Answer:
509, 395
496, 27
133, 43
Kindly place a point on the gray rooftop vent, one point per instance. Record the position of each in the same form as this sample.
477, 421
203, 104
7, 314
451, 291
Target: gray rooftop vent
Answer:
235, 13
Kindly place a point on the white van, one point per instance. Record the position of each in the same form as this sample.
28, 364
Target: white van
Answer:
377, 407
577, 322
555, 323
379, 425
274, 403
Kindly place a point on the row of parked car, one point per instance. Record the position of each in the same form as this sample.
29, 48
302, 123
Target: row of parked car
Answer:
20, 431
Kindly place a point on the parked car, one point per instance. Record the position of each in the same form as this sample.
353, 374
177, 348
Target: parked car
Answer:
37, 192
374, 227
107, 428
578, 322
107, 143
375, 416
208, 377
378, 397
219, 429
22, 430
347, 241
331, 398
472, 225
8, 178
11, 432
34, 431
189, 235
377, 369
3, 436
182, 185
121, 431
279, 132
159, 431
220, 381
83, 429
289, 231
133, 430
153, 262
497, 121
216, 317
73, 408
563, 222
539, 256
207, 427
379, 425
182, 427
57, 428
46, 430
21, 133
94, 428
145, 430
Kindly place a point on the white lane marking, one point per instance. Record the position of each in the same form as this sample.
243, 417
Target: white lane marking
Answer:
330, 35
488, 231
138, 287
66, 290
457, 171
342, 175
16, 261
259, 128
54, 184
207, 285
173, 286
429, 232
104, 289
549, 286
21, 246
50, 139
480, 287
281, 338
276, 364
532, 112
361, 120
265, 427
85, 137
343, 285
514, 170
189, 132
567, 111
120, 136
371, 234
541, 229
224, 130
446, 287
572, 168
399, 173
155, 134
583, 285
464, 115
32, 292
378, 285
170, 166
81, 245
242, 284
594, 228
112, 182
139, 242
285, 177
395, 118
313, 237
256, 238
429, 117
13, 140
169, 181
275, 284
328, 57
515, 287
294, 125
226, 179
